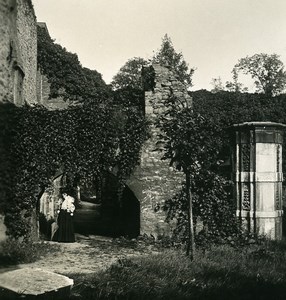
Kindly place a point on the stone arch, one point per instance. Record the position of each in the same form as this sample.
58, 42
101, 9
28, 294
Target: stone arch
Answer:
108, 216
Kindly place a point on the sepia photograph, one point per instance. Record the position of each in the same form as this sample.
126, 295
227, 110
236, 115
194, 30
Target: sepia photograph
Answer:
142, 149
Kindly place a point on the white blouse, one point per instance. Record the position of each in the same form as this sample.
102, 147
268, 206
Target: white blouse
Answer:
68, 204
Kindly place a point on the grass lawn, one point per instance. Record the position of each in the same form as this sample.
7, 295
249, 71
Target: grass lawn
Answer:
218, 272
221, 272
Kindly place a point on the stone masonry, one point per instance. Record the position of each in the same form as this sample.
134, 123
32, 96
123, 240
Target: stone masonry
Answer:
155, 181
27, 36
43, 94
257, 174
7, 32
18, 52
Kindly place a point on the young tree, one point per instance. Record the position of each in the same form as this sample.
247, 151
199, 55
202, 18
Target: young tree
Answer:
190, 147
168, 56
267, 71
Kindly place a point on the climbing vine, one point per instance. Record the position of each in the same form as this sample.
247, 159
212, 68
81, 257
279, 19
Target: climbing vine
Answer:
228, 108
213, 209
65, 73
83, 141
130, 143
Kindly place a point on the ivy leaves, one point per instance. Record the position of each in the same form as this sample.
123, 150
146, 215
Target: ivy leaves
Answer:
84, 141
65, 73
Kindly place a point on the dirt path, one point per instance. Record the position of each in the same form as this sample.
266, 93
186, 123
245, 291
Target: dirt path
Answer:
89, 254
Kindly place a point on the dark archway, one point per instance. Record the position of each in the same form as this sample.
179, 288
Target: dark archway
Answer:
108, 216
130, 214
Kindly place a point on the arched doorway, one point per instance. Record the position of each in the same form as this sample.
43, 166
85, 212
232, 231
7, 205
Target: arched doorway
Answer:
108, 216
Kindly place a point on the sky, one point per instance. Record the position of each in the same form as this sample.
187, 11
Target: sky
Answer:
211, 34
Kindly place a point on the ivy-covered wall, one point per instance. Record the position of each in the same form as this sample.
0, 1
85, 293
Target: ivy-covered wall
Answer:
43, 81
86, 140
18, 65
62, 75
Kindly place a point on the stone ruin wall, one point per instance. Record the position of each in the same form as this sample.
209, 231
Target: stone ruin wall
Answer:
18, 52
43, 94
27, 37
18, 59
154, 181
8, 33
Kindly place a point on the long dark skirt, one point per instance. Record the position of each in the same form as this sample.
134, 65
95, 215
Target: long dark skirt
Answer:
65, 232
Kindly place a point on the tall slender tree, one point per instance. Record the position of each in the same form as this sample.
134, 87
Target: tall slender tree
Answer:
190, 147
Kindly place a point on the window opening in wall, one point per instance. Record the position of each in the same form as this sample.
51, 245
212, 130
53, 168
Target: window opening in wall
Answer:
18, 85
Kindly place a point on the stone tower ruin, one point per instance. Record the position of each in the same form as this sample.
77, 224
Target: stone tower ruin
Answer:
155, 181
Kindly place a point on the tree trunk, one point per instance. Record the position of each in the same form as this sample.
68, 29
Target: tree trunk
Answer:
191, 240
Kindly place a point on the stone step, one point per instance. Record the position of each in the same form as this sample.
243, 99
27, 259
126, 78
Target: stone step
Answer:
34, 283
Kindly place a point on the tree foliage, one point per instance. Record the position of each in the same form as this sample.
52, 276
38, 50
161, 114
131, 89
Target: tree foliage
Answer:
167, 55
187, 140
235, 85
129, 75
190, 147
217, 85
128, 86
267, 71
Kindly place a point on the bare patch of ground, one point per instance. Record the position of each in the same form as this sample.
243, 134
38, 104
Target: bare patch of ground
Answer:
89, 254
